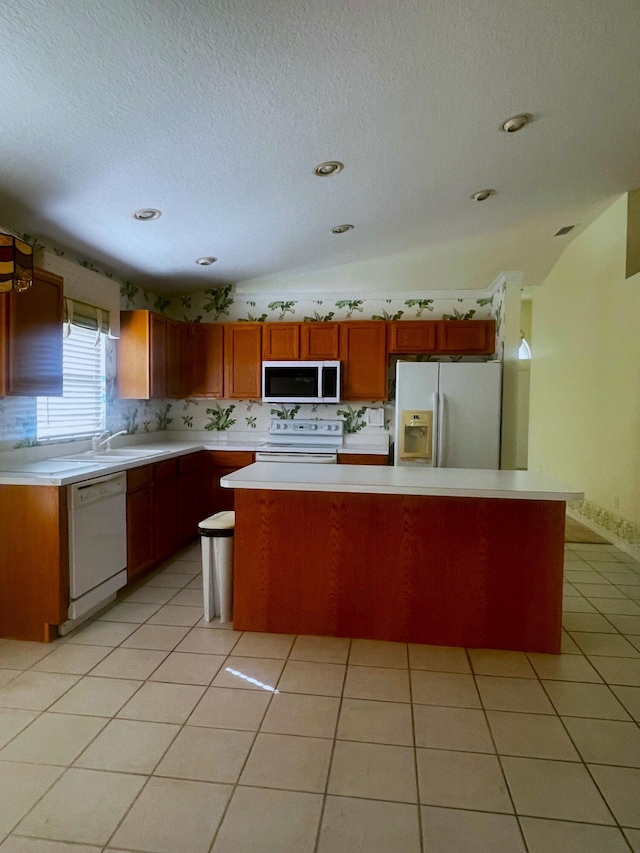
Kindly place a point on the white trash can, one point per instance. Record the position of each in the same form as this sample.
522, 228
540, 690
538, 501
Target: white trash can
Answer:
216, 538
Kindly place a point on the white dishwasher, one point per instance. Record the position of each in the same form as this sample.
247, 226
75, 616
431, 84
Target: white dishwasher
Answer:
97, 544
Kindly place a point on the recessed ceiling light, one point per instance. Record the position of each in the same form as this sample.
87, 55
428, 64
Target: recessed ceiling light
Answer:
483, 195
331, 167
516, 123
564, 230
206, 262
340, 229
146, 214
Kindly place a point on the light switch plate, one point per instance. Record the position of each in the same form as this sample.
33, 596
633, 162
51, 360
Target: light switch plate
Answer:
375, 417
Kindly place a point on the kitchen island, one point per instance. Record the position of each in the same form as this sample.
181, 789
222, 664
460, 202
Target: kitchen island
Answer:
454, 557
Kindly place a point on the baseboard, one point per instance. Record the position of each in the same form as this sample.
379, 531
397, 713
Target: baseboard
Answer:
621, 544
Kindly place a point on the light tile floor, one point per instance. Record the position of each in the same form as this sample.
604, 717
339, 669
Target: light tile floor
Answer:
150, 730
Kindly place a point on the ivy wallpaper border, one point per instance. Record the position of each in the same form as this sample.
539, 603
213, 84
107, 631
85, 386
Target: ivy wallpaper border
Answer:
608, 522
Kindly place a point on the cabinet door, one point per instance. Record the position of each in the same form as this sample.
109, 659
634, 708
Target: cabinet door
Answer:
175, 357
467, 336
34, 561
364, 360
158, 355
242, 361
31, 338
208, 364
217, 464
133, 351
320, 341
165, 506
139, 520
189, 497
139, 532
412, 336
280, 341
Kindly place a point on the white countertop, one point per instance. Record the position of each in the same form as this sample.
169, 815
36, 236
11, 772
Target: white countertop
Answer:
44, 465
364, 479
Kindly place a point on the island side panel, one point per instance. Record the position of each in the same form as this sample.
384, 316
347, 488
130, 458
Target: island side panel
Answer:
484, 573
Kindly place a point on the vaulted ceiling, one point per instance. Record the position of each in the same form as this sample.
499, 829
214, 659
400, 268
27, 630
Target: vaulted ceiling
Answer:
217, 111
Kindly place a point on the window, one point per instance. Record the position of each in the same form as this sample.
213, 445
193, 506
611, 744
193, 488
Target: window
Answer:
81, 409
524, 352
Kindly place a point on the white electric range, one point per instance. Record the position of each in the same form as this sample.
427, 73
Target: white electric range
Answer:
302, 441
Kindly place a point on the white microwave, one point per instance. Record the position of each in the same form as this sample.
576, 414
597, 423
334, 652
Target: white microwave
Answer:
301, 381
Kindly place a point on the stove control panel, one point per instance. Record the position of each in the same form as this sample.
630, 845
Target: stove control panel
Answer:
306, 428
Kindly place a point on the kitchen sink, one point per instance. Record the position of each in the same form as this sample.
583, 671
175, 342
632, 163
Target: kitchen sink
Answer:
46, 467
117, 455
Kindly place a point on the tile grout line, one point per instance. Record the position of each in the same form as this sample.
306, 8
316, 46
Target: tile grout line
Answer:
586, 767
333, 748
235, 785
180, 729
421, 838
495, 747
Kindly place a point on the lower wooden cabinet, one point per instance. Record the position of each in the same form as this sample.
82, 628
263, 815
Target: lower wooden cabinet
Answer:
165, 509
164, 506
140, 521
34, 561
362, 459
189, 496
217, 464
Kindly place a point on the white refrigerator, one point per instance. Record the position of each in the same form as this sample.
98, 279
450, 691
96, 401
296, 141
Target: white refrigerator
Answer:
448, 414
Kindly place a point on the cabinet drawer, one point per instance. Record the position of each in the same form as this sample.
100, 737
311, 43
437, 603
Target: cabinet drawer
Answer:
139, 478
165, 470
362, 459
230, 458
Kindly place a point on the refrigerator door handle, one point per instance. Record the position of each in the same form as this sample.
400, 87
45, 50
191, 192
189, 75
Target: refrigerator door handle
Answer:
441, 425
435, 457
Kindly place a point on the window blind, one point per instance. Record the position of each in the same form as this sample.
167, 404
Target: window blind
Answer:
85, 316
81, 409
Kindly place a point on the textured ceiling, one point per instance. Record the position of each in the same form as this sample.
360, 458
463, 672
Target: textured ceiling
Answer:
217, 112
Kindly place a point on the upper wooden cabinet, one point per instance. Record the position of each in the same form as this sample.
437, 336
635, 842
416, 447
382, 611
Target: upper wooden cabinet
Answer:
467, 337
242, 361
320, 341
31, 338
363, 354
142, 355
280, 341
178, 336
208, 360
160, 357
441, 337
291, 341
412, 336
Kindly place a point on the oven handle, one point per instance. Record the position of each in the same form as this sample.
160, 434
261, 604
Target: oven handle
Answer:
309, 458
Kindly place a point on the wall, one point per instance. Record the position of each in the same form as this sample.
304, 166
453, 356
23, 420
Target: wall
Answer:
17, 415
585, 376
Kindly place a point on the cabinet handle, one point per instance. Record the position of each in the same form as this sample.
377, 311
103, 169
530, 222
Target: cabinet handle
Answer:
435, 460
441, 425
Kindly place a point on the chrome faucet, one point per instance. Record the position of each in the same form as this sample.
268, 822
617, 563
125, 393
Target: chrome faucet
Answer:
98, 441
